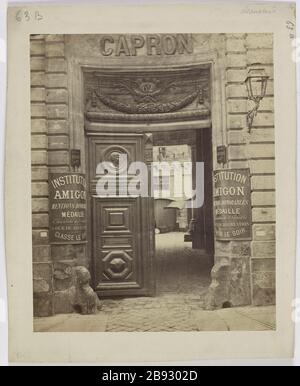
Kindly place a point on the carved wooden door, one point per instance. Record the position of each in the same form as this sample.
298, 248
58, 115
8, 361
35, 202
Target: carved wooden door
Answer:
122, 224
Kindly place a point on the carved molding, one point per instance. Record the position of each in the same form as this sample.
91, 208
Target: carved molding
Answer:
144, 97
193, 114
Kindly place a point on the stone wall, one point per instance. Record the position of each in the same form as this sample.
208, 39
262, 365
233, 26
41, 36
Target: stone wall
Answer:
262, 167
53, 273
244, 271
254, 149
42, 265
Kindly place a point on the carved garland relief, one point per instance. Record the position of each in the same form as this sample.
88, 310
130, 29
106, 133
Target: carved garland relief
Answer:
137, 97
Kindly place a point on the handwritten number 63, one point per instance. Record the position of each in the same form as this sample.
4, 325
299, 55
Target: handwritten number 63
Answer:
26, 16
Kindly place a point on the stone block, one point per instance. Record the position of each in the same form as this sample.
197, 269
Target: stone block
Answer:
236, 75
264, 232
236, 137
235, 36
58, 111
40, 220
59, 142
37, 63
235, 45
39, 173
222, 248
42, 304
40, 237
230, 284
237, 152
39, 157
262, 166
236, 91
40, 204
238, 164
263, 215
263, 265
41, 253
232, 248
236, 60
58, 157
39, 188
263, 296
38, 110
236, 121
56, 65
263, 198
266, 182
54, 38
259, 40
263, 119
239, 285
69, 252
263, 249
57, 96
55, 49
262, 55
37, 47
38, 125
262, 150
264, 285
63, 301
37, 79
42, 275
262, 135
37, 37
39, 141
59, 169
266, 279
237, 106
63, 275
56, 80
37, 94
58, 127
217, 293
267, 104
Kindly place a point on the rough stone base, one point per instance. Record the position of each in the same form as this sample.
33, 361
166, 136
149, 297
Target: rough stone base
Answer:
43, 304
264, 296
230, 286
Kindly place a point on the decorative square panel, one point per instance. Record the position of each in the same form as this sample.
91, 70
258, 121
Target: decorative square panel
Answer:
116, 218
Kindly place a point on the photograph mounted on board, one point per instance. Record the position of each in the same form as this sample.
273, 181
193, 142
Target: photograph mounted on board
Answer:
153, 182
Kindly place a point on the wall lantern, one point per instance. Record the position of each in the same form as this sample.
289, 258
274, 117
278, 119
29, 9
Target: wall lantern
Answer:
256, 83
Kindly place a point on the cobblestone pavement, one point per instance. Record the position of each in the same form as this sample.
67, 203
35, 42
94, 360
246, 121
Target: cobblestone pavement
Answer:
183, 275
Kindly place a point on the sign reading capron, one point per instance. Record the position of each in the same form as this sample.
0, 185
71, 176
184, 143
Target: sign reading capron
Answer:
152, 44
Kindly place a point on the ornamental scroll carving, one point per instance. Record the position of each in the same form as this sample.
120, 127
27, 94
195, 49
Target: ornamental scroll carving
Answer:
135, 97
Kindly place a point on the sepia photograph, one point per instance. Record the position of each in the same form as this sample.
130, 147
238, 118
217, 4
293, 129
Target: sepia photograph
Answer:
150, 185
153, 182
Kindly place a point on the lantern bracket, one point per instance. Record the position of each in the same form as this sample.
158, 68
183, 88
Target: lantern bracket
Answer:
253, 112
256, 83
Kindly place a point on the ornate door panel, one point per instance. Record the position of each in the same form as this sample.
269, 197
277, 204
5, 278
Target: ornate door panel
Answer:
122, 226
